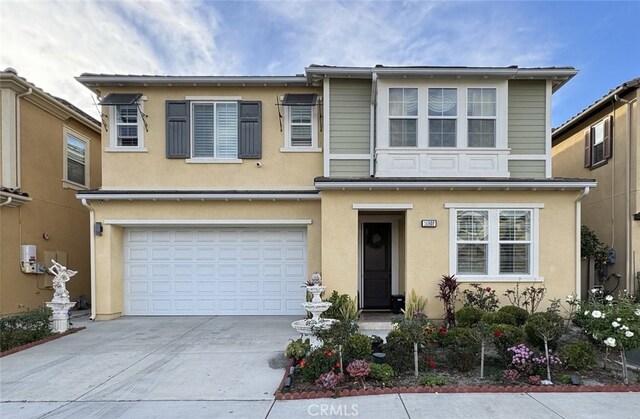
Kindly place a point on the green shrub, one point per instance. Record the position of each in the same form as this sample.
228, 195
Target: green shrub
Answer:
319, 361
460, 336
337, 302
481, 297
399, 350
358, 347
381, 372
578, 356
24, 328
349, 311
469, 316
499, 317
432, 381
519, 314
543, 322
506, 336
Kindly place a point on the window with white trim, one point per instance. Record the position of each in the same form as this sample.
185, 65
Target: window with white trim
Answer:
494, 242
481, 117
599, 143
300, 128
214, 128
403, 117
443, 115
76, 159
127, 127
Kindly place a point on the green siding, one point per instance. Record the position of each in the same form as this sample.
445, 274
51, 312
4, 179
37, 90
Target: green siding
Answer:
350, 107
349, 168
527, 168
527, 101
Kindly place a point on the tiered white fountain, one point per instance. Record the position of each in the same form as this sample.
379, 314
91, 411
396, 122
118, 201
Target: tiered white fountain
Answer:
316, 307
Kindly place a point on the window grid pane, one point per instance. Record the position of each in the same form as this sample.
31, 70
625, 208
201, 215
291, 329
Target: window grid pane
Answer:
472, 259
482, 132
403, 133
301, 126
76, 155
227, 130
203, 130
443, 102
403, 101
481, 102
515, 242
442, 133
127, 125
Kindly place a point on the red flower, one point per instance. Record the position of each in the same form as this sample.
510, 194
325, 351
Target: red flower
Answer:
497, 333
488, 289
328, 353
443, 331
432, 363
338, 364
302, 363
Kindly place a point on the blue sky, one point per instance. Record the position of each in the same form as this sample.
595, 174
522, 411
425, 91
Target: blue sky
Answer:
50, 42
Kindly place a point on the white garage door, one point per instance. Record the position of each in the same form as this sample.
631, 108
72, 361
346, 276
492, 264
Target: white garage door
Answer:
207, 271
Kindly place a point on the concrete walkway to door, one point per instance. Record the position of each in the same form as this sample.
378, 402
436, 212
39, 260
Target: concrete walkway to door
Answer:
148, 359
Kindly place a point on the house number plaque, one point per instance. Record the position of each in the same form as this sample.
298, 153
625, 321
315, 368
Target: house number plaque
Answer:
429, 223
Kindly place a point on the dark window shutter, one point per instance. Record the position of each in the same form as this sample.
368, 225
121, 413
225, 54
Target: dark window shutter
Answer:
250, 130
608, 137
587, 148
177, 113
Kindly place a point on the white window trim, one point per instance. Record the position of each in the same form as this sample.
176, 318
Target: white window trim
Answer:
403, 118
501, 118
595, 141
287, 147
196, 100
66, 183
113, 131
493, 274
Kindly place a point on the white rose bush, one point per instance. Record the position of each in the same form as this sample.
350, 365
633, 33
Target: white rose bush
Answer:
614, 323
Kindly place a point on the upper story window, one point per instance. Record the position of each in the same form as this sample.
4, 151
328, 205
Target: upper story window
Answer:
126, 121
598, 140
440, 114
443, 114
214, 130
494, 242
76, 159
403, 117
481, 117
300, 122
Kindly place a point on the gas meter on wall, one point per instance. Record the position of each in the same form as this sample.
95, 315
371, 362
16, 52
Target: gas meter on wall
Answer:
28, 259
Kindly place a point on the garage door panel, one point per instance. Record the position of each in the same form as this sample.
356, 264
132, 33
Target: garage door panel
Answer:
224, 270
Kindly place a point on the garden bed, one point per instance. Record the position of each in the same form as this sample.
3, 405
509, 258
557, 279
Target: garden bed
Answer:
40, 341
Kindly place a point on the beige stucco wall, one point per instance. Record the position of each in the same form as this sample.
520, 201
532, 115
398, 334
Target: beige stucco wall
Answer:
152, 170
53, 210
426, 251
109, 246
605, 209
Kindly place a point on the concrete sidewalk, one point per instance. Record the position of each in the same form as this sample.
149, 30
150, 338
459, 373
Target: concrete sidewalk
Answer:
227, 367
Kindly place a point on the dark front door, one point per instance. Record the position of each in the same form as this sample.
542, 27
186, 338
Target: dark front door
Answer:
377, 265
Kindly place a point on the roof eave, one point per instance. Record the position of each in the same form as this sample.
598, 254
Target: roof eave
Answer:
97, 80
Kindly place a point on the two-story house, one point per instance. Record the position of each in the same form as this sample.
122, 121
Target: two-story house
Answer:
50, 149
221, 195
601, 142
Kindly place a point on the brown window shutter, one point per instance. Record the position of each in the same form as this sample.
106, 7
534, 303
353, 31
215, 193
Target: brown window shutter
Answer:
587, 148
608, 137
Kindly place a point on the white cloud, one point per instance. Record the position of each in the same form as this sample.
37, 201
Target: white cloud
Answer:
51, 42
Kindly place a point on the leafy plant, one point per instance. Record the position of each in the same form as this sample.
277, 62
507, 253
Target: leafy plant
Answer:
578, 356
399, 350
499, 317
24, 328
376, 343
519, 314
591, 247
566, 379
481, 297
415, 305
545, 326
328, 380
469, 316
463, 347
359, 369
337, 336
529, 299
358, 347
381, 372
534, 380
414, 328
349, 310
504, 337
337, 302
318, 362
510, 375
448, 288
432, 381
298, 348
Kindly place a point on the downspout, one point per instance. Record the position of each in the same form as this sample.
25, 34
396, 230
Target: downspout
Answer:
584, 193
92, 251
21, 95
372, 125
631, 283
7, 202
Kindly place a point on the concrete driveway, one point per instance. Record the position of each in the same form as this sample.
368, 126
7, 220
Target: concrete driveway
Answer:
234, 358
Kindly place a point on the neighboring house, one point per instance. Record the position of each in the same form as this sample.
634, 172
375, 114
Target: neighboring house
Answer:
602, 142
50, 150
222, 195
